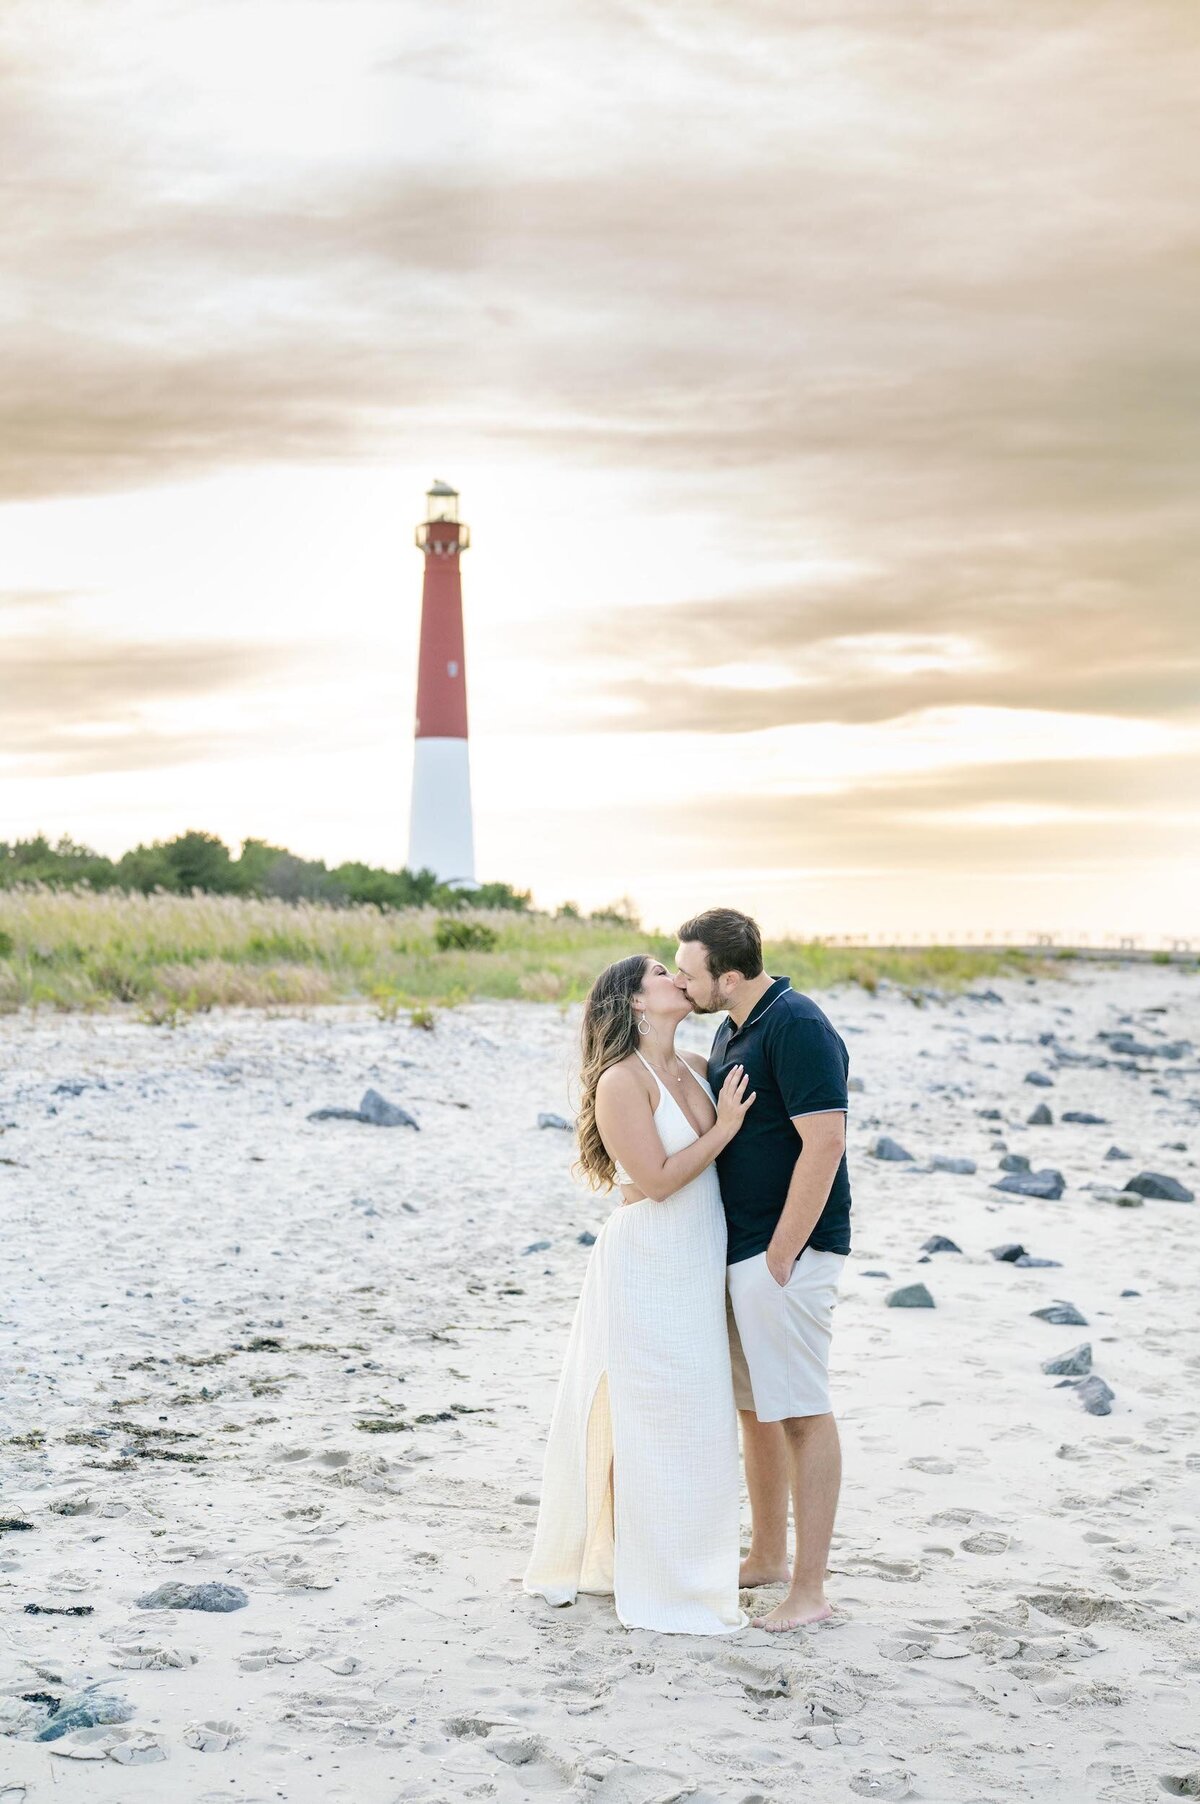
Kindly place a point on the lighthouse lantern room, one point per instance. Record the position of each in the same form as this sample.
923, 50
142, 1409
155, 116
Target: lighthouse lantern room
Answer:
441, 837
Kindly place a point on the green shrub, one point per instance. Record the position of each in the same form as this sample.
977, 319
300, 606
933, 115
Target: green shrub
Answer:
464, 936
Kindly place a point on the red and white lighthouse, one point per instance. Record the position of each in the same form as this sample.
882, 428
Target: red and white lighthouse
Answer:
440, 834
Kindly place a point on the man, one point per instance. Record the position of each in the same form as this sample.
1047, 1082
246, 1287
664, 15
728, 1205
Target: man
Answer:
787, 1207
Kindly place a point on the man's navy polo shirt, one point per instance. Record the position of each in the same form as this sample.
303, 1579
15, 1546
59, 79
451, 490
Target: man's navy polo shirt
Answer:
798, 1064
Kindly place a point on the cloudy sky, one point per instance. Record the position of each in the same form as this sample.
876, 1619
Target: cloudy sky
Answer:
821, 384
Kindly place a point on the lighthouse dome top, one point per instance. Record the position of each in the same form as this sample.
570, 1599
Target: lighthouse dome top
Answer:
442, 502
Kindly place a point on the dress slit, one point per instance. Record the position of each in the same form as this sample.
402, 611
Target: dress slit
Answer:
596, 1567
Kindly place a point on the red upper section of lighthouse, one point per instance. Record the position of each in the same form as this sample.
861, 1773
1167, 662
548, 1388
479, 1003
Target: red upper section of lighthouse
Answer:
442, 670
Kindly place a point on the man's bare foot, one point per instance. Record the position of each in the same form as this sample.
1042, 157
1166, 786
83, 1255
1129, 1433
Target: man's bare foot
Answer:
795, 1612
755, 1572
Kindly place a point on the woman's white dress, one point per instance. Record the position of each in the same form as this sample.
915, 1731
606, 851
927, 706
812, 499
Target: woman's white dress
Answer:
641, 1489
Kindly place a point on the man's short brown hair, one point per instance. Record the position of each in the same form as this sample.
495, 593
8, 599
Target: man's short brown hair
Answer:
731, 940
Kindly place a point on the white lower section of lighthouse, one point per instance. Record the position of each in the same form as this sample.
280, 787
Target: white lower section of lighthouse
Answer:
441, 836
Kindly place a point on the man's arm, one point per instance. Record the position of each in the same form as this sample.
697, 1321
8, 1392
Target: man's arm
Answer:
823, 1142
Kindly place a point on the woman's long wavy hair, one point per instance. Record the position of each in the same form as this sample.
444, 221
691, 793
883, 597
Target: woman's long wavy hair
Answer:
609, 1035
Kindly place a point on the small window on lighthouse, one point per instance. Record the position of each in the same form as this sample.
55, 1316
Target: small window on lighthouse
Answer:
452, 669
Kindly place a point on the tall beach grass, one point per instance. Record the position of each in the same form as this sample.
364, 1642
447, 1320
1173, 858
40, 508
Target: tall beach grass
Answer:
162, 955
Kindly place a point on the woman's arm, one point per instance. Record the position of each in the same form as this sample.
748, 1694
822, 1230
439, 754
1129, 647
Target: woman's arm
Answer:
626, 1123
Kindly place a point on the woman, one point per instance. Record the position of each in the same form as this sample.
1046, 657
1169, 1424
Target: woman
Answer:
641, 1491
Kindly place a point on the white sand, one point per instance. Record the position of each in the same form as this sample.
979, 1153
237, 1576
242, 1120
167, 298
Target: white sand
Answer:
1017, 1581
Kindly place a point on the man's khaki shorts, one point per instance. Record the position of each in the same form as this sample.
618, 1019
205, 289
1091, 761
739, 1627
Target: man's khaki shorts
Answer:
779, 1334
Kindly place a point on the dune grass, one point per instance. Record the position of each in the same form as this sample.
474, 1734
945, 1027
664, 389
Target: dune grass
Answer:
164, 956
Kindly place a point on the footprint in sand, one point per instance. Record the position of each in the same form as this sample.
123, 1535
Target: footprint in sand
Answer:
897, 1782
531, 1751
1119, 1784
930, 1462
989, 1541
895, 1572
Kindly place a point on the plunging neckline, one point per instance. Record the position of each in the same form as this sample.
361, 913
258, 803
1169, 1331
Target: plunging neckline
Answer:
666, 1096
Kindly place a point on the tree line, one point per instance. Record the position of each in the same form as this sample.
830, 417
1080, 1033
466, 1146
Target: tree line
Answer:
202, 861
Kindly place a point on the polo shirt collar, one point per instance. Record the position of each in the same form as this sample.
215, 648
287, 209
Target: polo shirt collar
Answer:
778, 986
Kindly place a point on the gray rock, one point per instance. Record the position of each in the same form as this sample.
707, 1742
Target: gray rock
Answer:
336, 1115
1094, 1394
910, 1296
855, 1086
84, 1710
1081, 1118
1159, 1188
1011, 1252
1114, 1152
889, 1150
1131, 1293
939, 1243
546, 1120
537, 1246
1074, 1364
1028, 1259
587, 1238
1014, 1162
877, 1274
990, 1114
1041, 1117
381, 1113
961, 1168
1047, 1185
1062, 1315
174, 1596
1039, 1078
1127, 1047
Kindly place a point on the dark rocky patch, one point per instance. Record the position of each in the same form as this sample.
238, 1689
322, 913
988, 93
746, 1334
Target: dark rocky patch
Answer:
1092, 1392
1061, 1315
1014, 1162
176, 1596
960, 1168
84, 1710
890, 1151
940, 1243
1041, 1117
1075, 1364
1082, 1118
1159, 1188
1047, 1185
547, 1120
1114, 1152
911, 1296
1041, 1078
1010, 1253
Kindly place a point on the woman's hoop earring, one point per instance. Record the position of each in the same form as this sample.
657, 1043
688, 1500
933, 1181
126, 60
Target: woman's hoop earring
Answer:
643, 1025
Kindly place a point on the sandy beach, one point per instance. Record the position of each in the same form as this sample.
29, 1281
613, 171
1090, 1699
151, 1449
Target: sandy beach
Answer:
315, 1361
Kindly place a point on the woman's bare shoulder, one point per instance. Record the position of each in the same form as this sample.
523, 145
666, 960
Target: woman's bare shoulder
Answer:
621, 1079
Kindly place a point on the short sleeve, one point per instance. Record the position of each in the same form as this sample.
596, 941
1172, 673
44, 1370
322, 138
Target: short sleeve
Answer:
810, 1065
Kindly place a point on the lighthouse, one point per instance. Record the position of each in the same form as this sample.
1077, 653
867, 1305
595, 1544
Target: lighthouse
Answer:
440, 835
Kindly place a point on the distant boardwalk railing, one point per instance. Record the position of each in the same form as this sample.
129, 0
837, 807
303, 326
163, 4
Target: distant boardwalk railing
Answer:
1135, 947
